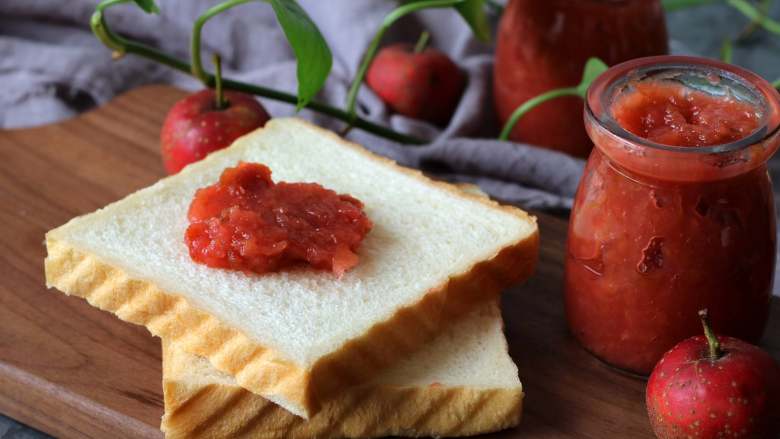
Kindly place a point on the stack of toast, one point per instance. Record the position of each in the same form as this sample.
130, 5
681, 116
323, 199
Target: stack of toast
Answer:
409, 342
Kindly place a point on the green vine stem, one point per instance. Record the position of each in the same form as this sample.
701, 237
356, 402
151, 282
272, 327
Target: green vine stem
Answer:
674, 5
593, 68
196, 65
533, 103
390, 18
122, 46
220, 101
422, 42
727, 51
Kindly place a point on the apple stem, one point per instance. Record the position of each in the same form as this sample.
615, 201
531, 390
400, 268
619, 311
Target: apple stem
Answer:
422, 42
221, 104
712, 339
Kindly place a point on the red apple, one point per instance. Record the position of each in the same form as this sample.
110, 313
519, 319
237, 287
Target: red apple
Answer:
714, 387
423, 84
194, 127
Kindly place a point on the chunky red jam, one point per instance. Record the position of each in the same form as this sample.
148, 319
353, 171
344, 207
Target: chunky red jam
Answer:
247, 222
645, 255
657, 234
672, 114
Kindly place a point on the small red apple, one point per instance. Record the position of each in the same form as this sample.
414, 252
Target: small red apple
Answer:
714, 387
195, 126
418, 83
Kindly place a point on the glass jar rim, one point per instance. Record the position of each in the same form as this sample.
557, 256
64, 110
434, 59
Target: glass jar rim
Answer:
597, 100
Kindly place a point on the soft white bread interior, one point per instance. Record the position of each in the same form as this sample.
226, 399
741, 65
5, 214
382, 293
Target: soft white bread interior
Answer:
298, 337
462, 383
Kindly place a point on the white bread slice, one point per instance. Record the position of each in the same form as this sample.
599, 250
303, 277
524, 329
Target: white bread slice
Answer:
462, 383
299, 337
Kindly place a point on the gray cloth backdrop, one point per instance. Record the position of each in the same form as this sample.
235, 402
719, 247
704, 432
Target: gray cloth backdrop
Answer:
51, 68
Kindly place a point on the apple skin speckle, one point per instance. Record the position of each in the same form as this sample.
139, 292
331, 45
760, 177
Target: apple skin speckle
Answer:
735, 396
194, 127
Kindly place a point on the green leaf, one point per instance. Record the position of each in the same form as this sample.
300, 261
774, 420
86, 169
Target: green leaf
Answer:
675, 5
148, 6
473, 11
593, 68
312, 52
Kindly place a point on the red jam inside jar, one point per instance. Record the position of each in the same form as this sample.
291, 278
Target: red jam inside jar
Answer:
675, 210
247, 222
672, 114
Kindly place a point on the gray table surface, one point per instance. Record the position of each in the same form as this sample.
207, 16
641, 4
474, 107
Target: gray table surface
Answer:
700, 31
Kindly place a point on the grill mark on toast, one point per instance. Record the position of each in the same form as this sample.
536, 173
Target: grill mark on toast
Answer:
347, 411
260, 369
435, 408
290, 423
507, 415
473, 411
129, 306
194, 333
258, 419
136, 305
225, 350
165, 311
175, 412
237, 396
254, 361
73, 270
101, 294
403, 396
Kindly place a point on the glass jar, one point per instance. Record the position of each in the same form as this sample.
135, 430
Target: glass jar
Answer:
659, 232
542, 45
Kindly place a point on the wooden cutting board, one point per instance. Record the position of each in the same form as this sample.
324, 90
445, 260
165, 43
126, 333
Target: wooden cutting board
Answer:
73, 371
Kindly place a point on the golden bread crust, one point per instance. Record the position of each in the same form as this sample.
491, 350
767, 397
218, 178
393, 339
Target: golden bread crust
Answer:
221, 410
263, 370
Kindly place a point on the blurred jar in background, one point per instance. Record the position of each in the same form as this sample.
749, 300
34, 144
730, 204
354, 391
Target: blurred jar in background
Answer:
544, 44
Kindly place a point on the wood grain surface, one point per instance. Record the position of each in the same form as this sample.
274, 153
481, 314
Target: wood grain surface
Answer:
73, 371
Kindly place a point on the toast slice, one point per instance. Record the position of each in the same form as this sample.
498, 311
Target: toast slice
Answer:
462, 383
298, 337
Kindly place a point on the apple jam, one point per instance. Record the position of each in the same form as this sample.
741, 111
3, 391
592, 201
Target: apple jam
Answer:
669, 113
675, 210
248, 222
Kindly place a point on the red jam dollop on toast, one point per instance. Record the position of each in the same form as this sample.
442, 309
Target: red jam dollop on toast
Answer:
247, 222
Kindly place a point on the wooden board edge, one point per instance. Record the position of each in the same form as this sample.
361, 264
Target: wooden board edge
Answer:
62, 413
